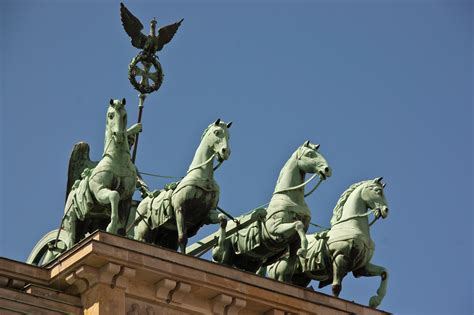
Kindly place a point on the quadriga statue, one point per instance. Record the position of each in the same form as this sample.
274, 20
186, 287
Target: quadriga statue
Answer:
285, 224
347, 246
168, 217
98, 194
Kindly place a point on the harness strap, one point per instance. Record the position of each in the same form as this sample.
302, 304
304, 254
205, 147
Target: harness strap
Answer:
297, 186
355, 217
202, 164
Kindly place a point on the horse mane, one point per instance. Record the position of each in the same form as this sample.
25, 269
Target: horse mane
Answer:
337, 212
283, 169
206, 130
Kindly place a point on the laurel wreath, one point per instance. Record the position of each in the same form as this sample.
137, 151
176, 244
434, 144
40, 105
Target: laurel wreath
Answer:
144, 58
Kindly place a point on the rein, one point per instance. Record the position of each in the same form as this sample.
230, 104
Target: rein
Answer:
107, 146
358, 216
301, 185
174, 177
203, 164
211, 158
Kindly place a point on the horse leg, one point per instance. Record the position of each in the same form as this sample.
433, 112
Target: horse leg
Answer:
298, 226
112, 197
181, 226
141, 227
140, 231
371, 270
339, 265
218, 251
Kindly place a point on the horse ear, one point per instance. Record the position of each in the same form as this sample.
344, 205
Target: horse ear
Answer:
306, 144
229, 124
217, 122
124, 101
316, 147
384, 184
378, 179
111, 102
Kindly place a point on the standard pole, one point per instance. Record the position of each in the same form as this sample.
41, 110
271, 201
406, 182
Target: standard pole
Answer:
141, 100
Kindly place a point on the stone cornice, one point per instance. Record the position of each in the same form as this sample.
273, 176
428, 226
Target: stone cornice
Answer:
169, 278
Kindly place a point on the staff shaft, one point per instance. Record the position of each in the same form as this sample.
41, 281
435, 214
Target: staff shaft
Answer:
141, 100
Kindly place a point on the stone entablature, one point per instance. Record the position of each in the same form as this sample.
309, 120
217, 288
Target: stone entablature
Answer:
109, 274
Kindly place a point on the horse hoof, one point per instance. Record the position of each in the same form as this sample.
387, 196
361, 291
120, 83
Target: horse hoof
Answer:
336, 289
374, 301
109, 229
223, 221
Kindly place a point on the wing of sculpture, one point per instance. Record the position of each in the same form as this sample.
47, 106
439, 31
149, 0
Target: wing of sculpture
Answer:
133, 27
166, 33
78, 162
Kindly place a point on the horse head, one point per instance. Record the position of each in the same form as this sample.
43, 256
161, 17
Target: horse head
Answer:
310, 160
372, 194
216, 136
116, 129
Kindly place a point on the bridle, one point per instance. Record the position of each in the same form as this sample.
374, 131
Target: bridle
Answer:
303, 184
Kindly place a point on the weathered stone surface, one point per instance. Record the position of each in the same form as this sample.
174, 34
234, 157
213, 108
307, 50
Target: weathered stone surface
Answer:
109, 274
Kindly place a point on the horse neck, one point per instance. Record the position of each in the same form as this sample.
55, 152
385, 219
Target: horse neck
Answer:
354, 206
118, 152
203, 153
291, 176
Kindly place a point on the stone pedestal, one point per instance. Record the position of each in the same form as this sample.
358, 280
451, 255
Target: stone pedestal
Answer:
109, 274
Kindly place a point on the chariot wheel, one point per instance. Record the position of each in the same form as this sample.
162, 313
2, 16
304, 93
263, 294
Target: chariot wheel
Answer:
45, 250
149, 70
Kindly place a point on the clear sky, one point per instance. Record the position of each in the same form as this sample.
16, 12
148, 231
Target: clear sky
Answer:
385, 87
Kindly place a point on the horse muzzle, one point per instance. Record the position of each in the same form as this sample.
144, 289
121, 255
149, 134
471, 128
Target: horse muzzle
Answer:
325, 172
381, 212
223, 154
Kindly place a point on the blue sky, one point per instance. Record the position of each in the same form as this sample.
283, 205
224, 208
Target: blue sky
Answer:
385, 87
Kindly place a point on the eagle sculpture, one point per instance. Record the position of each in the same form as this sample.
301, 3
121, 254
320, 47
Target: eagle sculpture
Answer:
151, 43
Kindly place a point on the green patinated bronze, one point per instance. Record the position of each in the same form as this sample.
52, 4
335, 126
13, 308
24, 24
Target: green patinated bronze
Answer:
170, 216
346, 247
98, 194
286, 221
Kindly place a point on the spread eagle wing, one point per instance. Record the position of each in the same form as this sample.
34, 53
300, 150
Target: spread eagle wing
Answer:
78, 162
166, 33
133, 27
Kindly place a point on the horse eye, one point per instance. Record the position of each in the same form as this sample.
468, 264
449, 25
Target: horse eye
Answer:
217, 133
111, 115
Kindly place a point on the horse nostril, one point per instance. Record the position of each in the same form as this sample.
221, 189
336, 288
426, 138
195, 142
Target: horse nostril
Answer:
326, 170
223, 150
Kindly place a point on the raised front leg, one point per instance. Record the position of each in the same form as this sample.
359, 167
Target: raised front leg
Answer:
107, 196
287, 229
181, 226
371, 270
